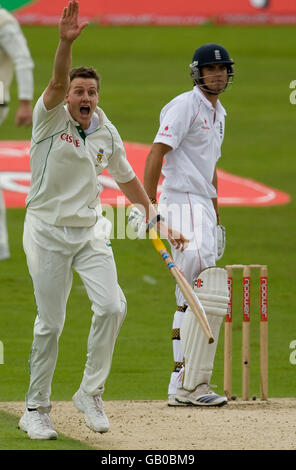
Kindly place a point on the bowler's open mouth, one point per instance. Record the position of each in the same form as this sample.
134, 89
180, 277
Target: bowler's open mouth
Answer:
85, 110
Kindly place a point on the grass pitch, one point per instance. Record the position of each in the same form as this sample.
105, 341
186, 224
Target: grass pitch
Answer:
142, 68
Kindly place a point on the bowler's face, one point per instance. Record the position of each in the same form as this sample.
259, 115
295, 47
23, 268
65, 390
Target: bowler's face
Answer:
82, 99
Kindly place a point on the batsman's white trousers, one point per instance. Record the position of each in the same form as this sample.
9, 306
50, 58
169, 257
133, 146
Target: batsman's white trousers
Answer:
195, 217
52, 252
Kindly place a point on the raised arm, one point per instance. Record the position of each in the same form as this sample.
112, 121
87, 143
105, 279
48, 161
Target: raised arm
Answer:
69, 30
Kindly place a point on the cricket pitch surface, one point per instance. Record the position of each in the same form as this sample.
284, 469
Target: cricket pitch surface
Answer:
152, 425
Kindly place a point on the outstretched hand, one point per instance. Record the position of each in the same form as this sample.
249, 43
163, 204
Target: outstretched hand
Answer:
69, 26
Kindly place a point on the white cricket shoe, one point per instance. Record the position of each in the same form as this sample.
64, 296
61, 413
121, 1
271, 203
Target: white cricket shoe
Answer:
201, 396
92, 407
173, 402
37, 425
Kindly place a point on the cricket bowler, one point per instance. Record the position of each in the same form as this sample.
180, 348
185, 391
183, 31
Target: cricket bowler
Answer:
72, 143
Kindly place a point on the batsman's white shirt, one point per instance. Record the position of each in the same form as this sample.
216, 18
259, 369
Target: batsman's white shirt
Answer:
187, 125
195, 131
64, 188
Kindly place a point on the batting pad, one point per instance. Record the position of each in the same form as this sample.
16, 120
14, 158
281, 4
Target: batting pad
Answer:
212, 291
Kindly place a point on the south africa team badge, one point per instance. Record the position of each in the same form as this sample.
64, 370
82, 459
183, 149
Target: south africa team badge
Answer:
100, 155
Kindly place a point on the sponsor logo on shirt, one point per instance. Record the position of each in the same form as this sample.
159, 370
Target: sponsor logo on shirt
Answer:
70, 139
205, 126
165, 133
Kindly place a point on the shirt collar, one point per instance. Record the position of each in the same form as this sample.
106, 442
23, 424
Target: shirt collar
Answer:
219, 108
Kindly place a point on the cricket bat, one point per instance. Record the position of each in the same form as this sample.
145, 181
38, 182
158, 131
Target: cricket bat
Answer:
184, 286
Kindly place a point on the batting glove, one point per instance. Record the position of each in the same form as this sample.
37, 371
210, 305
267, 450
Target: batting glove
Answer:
221, 241
137, 221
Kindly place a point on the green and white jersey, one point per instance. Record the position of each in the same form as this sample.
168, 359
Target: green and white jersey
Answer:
65, 164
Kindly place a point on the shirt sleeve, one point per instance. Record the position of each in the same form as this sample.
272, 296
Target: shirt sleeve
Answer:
47, 123
174, 124
118, 166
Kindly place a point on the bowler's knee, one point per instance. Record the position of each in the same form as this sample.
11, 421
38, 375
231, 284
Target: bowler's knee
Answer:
48, 328
110, 309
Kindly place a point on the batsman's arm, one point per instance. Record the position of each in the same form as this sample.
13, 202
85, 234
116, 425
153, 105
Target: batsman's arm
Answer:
153, 166
137, 195
69, 29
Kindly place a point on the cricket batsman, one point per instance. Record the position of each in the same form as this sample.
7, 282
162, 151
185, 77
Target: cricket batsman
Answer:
186, 150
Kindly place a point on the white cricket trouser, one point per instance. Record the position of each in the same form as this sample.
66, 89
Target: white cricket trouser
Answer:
195, 217
4, 245
52, 252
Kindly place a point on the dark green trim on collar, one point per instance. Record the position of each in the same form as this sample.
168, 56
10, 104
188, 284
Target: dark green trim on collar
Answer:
81, 133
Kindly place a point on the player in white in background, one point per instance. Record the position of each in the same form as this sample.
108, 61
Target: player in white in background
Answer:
190, 137
64, 230
14, 57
